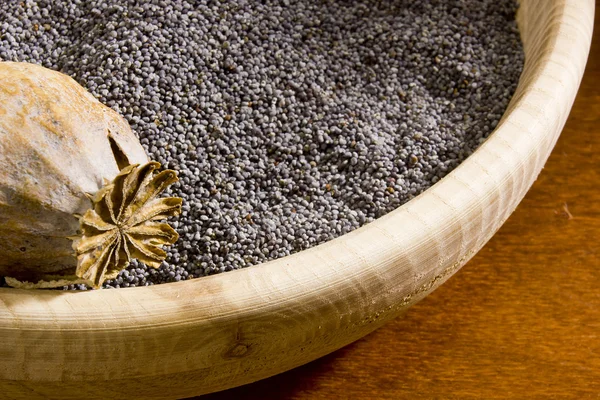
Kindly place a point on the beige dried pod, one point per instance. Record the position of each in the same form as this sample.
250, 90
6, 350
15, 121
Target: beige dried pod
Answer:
78, 195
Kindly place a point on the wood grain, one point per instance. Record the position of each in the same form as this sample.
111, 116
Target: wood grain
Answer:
193, 337
520, 320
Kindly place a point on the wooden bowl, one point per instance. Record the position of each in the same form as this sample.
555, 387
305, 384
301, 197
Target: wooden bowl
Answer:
203, 335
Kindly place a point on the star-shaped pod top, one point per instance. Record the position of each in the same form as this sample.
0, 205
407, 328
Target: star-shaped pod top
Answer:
124, 223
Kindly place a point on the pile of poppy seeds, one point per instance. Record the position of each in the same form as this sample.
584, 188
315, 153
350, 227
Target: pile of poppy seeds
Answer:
290, 122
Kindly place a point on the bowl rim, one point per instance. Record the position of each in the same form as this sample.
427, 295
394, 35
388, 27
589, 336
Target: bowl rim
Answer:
321, 298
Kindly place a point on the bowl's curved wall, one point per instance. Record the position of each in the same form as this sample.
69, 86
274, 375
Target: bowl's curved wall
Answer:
183, 339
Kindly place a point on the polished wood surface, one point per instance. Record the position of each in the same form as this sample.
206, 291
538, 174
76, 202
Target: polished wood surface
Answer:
520, 320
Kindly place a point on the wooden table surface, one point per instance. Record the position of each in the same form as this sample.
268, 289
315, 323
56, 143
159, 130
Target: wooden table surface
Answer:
520, 320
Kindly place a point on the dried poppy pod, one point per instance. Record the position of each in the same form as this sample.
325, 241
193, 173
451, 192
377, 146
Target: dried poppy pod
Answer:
78, 195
